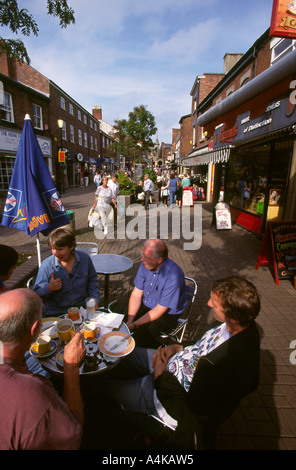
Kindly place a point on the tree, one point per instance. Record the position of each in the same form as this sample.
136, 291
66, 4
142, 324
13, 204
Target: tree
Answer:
133, 135
21, 21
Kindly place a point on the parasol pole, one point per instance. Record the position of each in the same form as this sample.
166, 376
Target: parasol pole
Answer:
38, 249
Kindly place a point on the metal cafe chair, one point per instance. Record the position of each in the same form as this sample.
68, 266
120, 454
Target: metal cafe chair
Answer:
178, 332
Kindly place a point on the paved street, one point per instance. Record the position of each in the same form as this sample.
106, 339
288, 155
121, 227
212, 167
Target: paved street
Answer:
267, 418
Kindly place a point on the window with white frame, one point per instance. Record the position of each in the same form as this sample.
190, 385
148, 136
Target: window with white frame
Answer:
85, 119
6, 169
79, 137
91, 123
37, 116
280, 47
91, 142
7, 108
96, 127
72, 138
71, 109
85, 139
63, 103
79, 114
96, 144
64, 131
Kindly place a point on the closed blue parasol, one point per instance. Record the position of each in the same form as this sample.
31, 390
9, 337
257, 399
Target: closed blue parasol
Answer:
33, 204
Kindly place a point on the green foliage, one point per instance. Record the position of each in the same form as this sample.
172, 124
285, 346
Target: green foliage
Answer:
126, 185
151, 174
21, 21
133, 135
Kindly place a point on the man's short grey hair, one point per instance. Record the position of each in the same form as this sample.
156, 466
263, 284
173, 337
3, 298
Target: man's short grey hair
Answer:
16, 327
160, 248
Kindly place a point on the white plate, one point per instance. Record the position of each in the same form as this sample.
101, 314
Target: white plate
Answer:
109, 340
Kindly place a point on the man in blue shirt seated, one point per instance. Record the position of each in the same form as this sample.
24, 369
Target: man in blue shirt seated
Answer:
158, 298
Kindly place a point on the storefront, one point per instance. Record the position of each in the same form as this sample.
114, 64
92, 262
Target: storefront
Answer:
253, 148
9, 141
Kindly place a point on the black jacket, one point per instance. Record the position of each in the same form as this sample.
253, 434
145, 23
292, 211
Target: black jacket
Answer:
222, 378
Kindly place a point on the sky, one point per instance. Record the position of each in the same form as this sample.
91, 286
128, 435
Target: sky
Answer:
125, 53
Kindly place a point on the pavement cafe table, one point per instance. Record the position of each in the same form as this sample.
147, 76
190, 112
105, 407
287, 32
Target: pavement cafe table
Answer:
95, 360
108, 264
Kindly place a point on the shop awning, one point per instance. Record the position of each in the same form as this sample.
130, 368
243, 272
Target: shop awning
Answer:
205, 156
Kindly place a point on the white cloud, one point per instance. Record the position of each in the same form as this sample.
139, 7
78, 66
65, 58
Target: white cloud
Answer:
122, 53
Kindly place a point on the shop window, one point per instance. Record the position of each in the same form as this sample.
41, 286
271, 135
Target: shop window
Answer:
248, 187
7, 108
247, 179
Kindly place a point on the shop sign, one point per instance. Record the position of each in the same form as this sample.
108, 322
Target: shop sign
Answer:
283, 19
278, 115
9, 141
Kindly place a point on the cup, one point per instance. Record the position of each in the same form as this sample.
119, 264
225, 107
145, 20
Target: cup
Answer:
73, 313
90, 330
91, 306
65, 329
43, 344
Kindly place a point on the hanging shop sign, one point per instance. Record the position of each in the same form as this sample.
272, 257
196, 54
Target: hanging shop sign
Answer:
283, 19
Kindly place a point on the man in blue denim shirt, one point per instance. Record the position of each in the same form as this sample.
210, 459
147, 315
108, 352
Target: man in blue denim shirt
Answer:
67, 277
158, 298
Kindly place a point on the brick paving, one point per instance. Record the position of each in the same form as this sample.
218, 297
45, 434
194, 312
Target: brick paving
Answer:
266, 419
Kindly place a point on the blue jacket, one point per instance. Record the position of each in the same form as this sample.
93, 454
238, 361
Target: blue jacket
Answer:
82, 283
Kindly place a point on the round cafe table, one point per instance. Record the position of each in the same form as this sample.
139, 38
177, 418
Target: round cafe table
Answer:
54, 362
108, 264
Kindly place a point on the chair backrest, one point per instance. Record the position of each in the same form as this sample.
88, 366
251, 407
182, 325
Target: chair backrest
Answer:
191, 290
31, 282
91, 248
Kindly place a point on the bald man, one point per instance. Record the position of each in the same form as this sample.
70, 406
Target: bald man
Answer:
158, 298
33, 415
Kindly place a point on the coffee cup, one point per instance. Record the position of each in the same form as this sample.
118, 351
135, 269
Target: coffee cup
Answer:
73, 313
90, 330
43, 344
65, 329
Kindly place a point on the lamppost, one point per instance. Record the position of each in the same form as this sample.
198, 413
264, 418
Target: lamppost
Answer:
60, 176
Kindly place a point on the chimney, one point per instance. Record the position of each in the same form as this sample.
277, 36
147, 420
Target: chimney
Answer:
230, 60
97, 112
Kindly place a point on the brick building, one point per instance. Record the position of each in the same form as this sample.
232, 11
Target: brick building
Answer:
21, 96
249, 126
86, 146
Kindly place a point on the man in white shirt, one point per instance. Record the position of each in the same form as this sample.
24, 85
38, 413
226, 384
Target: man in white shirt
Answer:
148, 188
114, 185
97, 179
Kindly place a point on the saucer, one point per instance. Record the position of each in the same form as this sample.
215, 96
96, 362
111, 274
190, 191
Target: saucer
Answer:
34, 352
60, 359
